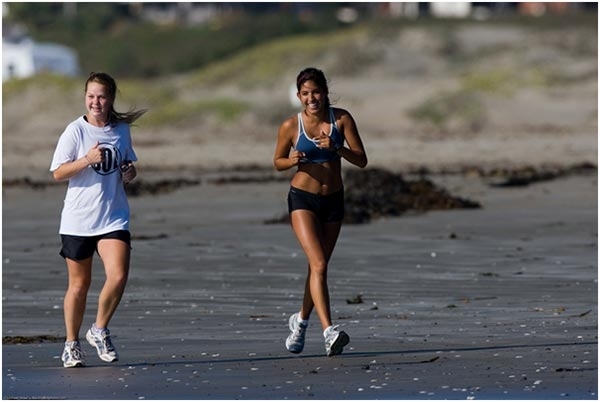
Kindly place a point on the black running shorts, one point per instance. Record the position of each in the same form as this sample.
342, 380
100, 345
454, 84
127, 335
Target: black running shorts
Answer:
82, 247
328, 208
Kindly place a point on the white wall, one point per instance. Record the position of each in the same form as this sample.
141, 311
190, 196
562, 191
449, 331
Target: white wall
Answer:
27, 58
450, 9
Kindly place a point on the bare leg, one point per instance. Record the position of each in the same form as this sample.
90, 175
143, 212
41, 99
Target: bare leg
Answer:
318, 242
115, 255
80, 277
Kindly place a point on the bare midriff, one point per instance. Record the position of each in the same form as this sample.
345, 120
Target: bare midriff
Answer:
319, 178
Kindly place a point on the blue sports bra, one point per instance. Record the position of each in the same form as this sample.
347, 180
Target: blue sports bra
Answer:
312, 153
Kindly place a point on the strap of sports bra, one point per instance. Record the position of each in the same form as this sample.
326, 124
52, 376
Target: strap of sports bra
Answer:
332, 118
301, 129
300, 124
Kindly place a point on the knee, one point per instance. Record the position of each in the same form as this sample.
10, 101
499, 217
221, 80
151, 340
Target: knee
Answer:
78, 289
118, 278
319, 268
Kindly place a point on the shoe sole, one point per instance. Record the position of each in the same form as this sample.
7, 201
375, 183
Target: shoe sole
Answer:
93, 344
338, 345
293, 351
78, 364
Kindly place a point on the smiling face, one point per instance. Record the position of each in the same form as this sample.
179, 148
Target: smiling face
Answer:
312, 97
98, 102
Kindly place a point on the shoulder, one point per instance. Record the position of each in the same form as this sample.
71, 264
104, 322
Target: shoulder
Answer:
122, 127
75, 127
290, 124
338, 112
342, 115
77, 123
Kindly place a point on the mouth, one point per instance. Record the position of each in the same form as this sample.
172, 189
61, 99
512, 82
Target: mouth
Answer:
313, 105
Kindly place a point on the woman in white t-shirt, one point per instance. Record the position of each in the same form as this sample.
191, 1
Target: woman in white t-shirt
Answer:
96, 156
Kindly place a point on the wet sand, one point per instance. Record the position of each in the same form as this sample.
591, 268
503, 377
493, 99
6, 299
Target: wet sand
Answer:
492, 303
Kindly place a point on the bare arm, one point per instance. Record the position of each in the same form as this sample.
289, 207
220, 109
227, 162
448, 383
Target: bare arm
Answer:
283, 159
355, 151
70, 169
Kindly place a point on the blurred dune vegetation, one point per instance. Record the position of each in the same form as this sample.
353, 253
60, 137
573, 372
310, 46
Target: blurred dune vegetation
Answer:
235, 72
216, 60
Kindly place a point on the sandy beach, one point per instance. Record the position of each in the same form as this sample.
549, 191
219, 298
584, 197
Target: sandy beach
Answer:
497, 302
494, 303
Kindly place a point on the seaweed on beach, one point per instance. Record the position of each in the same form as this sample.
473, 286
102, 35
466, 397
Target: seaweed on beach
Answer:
523, 176
28, 182
375, 193
141, 187
136, 188
15, 340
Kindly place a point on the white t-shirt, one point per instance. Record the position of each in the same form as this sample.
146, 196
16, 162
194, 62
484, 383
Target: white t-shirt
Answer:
95, 202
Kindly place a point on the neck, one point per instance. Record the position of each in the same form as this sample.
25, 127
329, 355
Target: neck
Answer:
95, 121
321, 115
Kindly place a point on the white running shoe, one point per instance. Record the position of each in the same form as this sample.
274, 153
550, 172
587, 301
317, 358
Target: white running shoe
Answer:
295, 341
103, 344
335, 341
72, 355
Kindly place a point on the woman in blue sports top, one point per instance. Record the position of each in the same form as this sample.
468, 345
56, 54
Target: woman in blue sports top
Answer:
315, 141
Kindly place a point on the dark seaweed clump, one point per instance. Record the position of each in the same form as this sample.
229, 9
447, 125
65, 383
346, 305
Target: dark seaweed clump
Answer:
140, 187
19, 339
375, 193
526, 175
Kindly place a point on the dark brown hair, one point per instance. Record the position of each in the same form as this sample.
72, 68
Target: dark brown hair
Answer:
316, 75
115, 117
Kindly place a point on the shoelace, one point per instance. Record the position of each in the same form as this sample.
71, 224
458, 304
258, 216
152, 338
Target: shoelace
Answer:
75, 352
332, 332
298, 333
107, 343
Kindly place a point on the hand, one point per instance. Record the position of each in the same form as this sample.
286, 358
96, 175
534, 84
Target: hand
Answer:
95, 154
296, 157
128, 172
324, 141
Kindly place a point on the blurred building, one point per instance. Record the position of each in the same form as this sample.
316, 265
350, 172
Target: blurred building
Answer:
477, 10
22, 58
